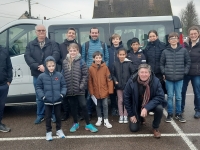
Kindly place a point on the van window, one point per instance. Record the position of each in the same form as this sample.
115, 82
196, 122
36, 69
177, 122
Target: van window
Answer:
3, 38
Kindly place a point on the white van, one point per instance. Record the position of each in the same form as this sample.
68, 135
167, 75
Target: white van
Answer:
15, 36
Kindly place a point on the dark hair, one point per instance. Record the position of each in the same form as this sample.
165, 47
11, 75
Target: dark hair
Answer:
121, 49
115, 35
153, 31
71, 28
97, 53
193, 28
134, 40
94, 28
173, 34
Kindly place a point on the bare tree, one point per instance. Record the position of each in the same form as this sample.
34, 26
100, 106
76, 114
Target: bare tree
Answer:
189, 17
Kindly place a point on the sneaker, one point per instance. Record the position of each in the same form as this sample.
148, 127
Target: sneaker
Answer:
107, 124
99, 121
180, 118
60, 134
39, 120
121, 119
74, 127
53, 119
125, 119
49, 136
91, 128
156, 133
169, 118
151, 113
197, 114
3, 128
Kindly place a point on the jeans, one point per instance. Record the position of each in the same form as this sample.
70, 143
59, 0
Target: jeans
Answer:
174, 87
40, 102
104, 103
195, 80
3, 95
121, 107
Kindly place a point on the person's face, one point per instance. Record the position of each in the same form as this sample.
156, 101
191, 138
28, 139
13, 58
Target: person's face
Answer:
51, 66
152, 37
41, 32
73, 52
135, 46
116, 41
71, 35
194, 35
94, 33
173, 40
144, 74
97, 59
121, 55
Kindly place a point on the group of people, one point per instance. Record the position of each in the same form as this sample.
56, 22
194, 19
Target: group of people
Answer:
135, 80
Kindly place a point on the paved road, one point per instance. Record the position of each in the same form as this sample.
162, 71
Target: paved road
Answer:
27, 136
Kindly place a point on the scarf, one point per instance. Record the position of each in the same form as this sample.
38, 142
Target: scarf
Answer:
146, 96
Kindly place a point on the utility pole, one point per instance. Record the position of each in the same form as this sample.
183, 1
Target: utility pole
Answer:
29, 6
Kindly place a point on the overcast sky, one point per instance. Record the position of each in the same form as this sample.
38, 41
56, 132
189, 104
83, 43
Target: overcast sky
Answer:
53, 8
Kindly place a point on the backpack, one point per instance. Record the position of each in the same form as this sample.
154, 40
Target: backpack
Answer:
103, 45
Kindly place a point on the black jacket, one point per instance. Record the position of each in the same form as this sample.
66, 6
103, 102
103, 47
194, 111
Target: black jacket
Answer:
131, 95
6, 73
175, 63
64, 51
137, 58
121, 72
35, 56
194, 53
153, 53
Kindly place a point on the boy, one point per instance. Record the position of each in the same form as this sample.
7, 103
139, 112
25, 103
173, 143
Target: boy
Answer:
100, 86
51, 87
116, 44
174, 64
135, 54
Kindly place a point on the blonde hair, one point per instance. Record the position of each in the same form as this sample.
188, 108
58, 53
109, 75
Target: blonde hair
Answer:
115, 35
73, 45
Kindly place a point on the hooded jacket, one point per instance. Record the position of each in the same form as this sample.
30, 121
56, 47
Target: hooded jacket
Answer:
51, 87
175, 63
121, 72
131, 95
100, 84
76, 75
194, 53
6, 73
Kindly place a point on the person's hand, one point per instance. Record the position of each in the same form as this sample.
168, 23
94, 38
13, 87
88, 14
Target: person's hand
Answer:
133, 119
41, 68
116, 82
163, 77
8, 83
143, 112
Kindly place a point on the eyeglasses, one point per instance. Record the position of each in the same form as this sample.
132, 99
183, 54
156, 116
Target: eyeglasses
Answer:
41, 30
173, 38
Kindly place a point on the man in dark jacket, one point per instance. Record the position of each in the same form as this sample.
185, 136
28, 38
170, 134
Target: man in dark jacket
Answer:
6, 75
36, 52
143, 93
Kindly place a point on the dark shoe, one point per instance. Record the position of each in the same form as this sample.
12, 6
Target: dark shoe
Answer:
64, 117
156, 133
169, 118
114, 112
197, 114
3, 128
39, 120
180, 118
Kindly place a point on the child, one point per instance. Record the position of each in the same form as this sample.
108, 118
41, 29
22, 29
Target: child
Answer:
121, 72
100, 85
135, 54
174, 64
51, 87
75, 72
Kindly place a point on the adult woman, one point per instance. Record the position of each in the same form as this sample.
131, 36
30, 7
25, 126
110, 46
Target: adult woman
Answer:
193, 47
143, 93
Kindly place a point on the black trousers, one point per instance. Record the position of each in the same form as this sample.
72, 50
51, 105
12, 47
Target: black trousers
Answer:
113, 100
66, 106
158, 112
3, 96
48, 114
74, 102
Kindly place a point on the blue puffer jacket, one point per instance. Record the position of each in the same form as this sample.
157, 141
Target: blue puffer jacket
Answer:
94, 45
51, 86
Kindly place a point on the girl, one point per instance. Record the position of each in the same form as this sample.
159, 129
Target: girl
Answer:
75, 72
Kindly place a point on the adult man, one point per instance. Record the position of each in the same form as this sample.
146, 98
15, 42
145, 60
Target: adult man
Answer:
144, 93
88, 48
5, 80
70, 38
36, 52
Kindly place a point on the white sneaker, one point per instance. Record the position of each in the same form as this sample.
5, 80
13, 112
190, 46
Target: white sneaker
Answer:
60, 134
107, 124
49, 136
99, 121
121, 119
125, 119
151, 113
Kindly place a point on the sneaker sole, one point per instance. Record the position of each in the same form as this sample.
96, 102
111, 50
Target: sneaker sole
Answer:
168, 121
5, 131
49, 139
98, 125
120, 121
180, 120
73, 131
62, 137
108, 127
90, 130
125, 121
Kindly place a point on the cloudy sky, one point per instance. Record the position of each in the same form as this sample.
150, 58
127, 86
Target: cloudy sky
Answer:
11, 9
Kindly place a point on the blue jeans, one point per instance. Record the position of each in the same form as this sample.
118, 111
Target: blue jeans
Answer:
40, 102
174, 87
195, 80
